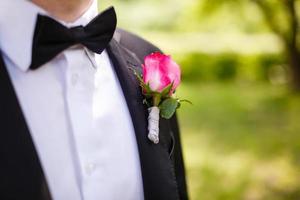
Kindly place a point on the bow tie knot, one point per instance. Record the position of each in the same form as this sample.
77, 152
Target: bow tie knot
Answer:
78, 33
51, 37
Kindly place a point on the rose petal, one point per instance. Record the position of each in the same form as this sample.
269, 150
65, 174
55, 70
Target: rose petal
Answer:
172, 70
159, 71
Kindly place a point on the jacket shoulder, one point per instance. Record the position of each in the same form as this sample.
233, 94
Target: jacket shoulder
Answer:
135, 43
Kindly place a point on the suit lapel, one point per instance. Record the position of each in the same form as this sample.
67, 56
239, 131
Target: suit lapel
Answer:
20, 170
157, 169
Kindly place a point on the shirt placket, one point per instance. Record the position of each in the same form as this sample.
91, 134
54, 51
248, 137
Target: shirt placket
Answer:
79, 96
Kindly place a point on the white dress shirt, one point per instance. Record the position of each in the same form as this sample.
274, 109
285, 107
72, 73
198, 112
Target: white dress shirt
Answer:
75, 110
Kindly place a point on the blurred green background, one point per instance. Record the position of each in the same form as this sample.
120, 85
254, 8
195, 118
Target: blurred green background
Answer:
241, 69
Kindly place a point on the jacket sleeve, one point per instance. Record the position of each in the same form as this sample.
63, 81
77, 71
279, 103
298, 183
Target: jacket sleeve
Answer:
142, 48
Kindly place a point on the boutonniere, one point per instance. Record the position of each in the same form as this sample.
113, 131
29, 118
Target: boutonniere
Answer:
159, 79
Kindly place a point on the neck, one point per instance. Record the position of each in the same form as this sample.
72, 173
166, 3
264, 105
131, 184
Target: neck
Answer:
65, 10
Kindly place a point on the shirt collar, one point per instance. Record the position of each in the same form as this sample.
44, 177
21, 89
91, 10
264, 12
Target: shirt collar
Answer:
16, 30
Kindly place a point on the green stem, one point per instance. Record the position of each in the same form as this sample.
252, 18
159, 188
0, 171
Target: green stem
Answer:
156, 100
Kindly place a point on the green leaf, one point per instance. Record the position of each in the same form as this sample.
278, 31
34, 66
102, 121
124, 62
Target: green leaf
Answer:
168, 107
179, 104
166, 90
139, 76
186, 101
146, 89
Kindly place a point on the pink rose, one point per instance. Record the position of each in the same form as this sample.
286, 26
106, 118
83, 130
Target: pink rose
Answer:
159, 71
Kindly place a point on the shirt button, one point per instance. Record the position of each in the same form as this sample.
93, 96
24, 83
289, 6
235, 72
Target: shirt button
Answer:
90, 168
74, 79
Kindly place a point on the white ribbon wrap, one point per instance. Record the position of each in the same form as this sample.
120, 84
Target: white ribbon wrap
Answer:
153, 124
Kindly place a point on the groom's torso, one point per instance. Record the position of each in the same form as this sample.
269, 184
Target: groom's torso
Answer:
29, 170
22, 173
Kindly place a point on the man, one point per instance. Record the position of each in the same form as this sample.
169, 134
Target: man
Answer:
72, 120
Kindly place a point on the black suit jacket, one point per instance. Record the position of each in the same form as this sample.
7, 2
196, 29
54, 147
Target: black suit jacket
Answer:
21, 174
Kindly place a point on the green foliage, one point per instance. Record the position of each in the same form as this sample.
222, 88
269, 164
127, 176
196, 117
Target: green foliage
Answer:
241, 141
227, 66
168, 107
145, 15
266, 63
275, 13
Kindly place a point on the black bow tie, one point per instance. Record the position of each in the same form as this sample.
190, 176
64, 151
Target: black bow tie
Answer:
51, 37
